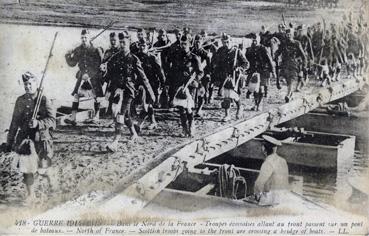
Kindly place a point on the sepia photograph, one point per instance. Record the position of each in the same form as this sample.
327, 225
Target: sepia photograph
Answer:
184, 117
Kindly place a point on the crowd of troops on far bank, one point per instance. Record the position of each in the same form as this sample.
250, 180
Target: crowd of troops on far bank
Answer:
183, 74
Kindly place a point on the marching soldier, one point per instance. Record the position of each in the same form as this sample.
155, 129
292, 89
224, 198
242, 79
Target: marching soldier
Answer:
261, 62
129, 74
202, 89
290, 53
164, 45
174, 51
281, 34
114, 48
354, 45
226, 60
89, 81
305, 41
265, 36
135, 46
317, 41
31, 137
187, 67
156, 77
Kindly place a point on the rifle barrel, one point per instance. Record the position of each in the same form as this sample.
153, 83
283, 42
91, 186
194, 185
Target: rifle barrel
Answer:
40, 88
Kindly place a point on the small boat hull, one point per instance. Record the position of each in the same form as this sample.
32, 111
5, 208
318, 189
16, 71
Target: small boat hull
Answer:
326, 151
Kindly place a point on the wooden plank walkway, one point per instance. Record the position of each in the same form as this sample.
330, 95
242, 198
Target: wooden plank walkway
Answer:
140, 193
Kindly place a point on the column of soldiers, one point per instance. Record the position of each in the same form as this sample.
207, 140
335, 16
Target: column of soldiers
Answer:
182, 75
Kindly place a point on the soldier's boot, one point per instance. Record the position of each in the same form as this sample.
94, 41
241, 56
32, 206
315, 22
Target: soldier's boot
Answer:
157, 101
72, 119
134, 135
256, 97
96, 116
200, 105
210, 95
151, 114
239, 110
184, 124
324, 82
97, 111
288, 97
109, 110
259, 107
248, 93
141, 119
299, 86
265, 91
190, 127
226, 117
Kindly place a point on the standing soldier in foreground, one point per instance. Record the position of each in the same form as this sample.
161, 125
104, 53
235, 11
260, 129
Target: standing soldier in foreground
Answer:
262, 63
188, 69
156, 77
114, 48
129, 74
224, 63
31, 138
89, 84
290, 52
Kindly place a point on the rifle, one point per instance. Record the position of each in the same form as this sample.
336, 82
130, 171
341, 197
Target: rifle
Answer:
159, 49
284, 22
40, 88
111, 23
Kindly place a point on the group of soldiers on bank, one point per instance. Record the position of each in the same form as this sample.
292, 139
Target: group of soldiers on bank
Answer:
184, 74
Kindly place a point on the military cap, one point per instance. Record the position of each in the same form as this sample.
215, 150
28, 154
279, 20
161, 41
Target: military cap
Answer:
281, 26
84, 32
270, 140
140, 30
123, 35
226, 37
27, 76
202, 32
162, 31
176, 31
112, 35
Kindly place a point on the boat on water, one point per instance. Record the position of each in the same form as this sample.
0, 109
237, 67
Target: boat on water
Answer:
306, 148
